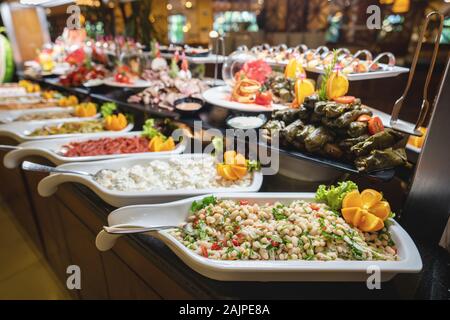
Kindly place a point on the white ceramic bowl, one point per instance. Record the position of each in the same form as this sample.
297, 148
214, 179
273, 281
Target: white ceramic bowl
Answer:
48, 185
273, 270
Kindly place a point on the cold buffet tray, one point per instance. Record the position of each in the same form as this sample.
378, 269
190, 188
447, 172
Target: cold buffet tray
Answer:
117, 198
174, 213
51, 149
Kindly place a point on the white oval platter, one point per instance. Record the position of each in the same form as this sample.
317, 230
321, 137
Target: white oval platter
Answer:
269, 270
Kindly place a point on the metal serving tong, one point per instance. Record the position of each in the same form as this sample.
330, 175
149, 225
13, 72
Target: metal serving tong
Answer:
402, 125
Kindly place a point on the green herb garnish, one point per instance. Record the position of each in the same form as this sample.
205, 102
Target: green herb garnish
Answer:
198, 205
328, 70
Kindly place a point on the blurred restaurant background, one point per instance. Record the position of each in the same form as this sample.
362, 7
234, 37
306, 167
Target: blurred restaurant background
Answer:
334, 23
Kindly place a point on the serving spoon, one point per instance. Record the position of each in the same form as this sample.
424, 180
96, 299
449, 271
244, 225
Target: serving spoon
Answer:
31, 166
6, 147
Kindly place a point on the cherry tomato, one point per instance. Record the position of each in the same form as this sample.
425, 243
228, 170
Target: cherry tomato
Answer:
215, 246
364, 118
204, 251
243, 202
375, 125
345, 99
264, 98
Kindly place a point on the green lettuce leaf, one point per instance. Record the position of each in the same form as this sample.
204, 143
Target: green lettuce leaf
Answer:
334, 195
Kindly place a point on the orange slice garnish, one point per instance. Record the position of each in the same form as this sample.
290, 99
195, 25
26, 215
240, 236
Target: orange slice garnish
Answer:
337, 85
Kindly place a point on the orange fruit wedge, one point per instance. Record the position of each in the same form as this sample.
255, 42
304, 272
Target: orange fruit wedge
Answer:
168, 145
352, 199
370, 197
239, 171
366, 211
155, 144
228, 173
350, 214
293, 69
303, 88
122, 121
381, 210
240, 160
370, 223
337, 85
228, 157
418, 141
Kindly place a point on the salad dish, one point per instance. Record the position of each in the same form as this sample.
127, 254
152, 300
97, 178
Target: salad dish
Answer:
279, 236
153, 179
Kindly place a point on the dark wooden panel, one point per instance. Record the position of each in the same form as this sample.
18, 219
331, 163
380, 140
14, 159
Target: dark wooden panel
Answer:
135, 258
83, 253
123, 283
15, 193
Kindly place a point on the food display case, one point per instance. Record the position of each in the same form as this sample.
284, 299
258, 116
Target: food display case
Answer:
279, 173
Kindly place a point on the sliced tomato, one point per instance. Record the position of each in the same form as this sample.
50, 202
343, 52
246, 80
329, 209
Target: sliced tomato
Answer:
264, 98
375, 125
204, 251
364, 118
235, 242
345, 99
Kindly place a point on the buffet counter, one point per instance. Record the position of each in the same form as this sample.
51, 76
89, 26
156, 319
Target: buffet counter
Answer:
64, 227
142, 267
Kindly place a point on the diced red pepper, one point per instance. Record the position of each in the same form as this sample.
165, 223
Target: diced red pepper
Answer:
274, 243
235, 242
215, 246
243, 202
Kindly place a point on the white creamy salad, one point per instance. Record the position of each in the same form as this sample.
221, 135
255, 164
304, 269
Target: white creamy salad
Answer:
171, 174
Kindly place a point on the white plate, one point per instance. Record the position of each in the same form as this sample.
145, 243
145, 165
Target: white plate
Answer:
19, 130
273, 270
387, 73
9, 116
138, 83
50, 149
116, 198
211, 58
220, 96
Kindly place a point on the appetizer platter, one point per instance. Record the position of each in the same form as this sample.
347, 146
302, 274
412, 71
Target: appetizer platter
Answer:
155, 140
332, 125
277, 236
82, 111
168, 84
111, 121
143, 179
316, 60
220, 96
34, 98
